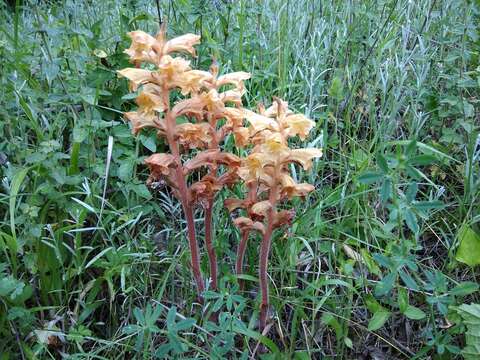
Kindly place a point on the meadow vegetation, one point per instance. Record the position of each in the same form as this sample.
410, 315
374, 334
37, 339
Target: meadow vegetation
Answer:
381, 259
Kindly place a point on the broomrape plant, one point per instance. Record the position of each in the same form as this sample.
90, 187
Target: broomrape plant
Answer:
204, 105
266, 173
194, 135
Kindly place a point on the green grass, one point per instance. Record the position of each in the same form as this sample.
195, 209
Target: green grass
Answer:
369, 268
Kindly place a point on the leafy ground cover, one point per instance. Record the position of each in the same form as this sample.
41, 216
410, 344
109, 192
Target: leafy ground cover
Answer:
381, 262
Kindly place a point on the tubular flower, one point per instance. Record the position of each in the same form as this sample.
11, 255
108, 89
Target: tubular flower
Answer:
146, 48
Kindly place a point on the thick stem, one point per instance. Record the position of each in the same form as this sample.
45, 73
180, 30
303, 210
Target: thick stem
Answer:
187, 207
212, 257
265, 249
194, 251
242, 247
264, 253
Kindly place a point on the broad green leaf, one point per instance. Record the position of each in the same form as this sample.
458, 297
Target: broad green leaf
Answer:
301, 355
464, 288
470, 314
411, 192
414, 313
141, 190
407, 279
149, 142
382, 163
428, 205
385, 285
411, 221
331, 320
370, 177
469, 249
257, 336
378, 320
336, 89
386, 190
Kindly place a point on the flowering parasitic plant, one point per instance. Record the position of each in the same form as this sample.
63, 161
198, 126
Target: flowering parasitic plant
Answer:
266, 173
210, 108
190, 126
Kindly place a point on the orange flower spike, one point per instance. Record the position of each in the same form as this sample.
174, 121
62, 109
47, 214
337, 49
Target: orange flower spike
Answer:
266, 168
154, 99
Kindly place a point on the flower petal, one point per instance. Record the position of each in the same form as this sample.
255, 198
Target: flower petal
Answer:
241, 136
193, 81
246, 224
143, 120
259, 122
233, 204
150, 99
235, 78
304, 156
277, 108
141, 47
193, 136
261, 208
291, 189
284, 217
137, 76
210, 157
182, 43
160, 164
298, 124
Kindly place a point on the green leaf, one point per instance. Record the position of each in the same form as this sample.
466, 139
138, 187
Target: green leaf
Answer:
428, 205
469, 249
470, 314
14, 189
141, 190
259, 337
370, 177
11, 287
411, 192
402, 299
407, 279
372, 304
411, 221
414, 313
378, 320
301, 355
183, 325
125, 170
382, 163
465, 288
386, 190
385, 285
422, 160
336, 89
148, 142
330, 320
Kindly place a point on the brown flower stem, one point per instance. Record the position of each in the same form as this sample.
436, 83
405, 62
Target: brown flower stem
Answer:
187, 207
212, 257
242, 247
264, 253
194, 251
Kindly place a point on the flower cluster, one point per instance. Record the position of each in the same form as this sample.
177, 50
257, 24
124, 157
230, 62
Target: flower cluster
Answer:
266, 173
190, 126
195, 127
